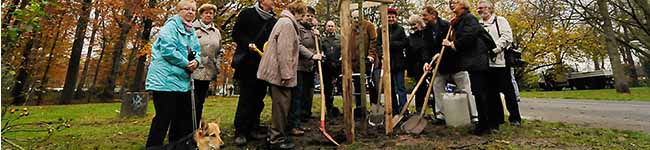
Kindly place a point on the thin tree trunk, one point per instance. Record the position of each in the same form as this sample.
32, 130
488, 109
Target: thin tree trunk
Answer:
630, 69
45, 79
22, 76
138, 82
75, 56
125, 27
128, 68
99, 62
620, 79
89, 53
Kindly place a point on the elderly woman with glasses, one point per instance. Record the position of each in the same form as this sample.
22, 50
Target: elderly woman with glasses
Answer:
168, 77
467, 42
210, 40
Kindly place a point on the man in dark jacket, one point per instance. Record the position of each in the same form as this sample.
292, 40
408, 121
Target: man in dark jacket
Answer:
436, 31
250, 32
303, 94
471, 47
398, 43
331, 45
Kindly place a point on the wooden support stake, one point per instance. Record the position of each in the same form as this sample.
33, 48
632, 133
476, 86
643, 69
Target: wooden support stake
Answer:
386, 65
363, 51
348, 118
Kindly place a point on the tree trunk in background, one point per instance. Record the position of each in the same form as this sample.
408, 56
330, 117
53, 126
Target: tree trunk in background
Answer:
125, 27
75, 56
620, 80
99, 62
45, 79
138, 82
630, 68
125, 84
22, 76
89, 53
596, 63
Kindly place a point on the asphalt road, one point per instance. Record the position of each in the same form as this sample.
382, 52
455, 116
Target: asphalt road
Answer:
624, 115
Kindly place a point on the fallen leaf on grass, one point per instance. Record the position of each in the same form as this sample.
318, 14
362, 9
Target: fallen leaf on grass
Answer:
503, 141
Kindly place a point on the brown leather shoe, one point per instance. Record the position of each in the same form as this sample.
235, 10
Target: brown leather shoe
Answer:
297, 132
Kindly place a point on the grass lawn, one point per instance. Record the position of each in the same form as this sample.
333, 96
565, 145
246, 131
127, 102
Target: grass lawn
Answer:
638, 94
97, 126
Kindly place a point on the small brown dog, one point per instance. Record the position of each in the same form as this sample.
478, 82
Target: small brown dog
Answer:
208, 137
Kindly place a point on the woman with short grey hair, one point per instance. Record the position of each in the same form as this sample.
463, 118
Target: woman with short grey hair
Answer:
210, 39
500, 74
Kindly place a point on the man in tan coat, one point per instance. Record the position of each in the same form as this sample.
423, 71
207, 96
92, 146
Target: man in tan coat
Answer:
362, 32
279, 66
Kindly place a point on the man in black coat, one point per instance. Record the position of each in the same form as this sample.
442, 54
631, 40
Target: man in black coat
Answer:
471, 44
250, 32
398, 43
436, 31
330, 44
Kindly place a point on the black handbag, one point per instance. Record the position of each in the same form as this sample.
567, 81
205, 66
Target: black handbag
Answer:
510, 54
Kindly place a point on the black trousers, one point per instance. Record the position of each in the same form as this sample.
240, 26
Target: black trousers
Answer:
421, 93
484, 106
173, 113
200, 92
373, 91
329, 76
501, 82
250, 105
302, 96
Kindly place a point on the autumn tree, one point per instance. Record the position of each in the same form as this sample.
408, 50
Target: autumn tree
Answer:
73, 66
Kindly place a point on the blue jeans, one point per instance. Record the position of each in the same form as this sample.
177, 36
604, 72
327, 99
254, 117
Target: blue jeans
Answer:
398, 91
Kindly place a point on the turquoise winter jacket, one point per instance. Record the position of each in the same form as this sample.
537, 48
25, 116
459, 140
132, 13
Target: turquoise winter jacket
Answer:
169, 57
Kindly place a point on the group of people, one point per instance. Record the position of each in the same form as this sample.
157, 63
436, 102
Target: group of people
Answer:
278, 54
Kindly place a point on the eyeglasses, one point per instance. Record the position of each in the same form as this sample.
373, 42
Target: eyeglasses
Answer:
189, 9
481, 7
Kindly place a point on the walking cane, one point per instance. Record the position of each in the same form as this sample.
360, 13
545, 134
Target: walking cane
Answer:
192, 98
322, 97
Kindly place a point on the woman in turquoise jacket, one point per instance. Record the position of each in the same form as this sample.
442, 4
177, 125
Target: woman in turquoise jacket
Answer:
168, 77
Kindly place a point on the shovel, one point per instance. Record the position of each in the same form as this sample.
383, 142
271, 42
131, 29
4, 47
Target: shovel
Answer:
376, 110
322, 98
417, 123
398, 118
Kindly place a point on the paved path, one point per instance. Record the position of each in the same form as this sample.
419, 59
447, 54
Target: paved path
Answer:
625, 115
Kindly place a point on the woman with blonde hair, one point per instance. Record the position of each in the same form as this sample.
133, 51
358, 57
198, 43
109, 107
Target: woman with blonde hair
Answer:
168, 77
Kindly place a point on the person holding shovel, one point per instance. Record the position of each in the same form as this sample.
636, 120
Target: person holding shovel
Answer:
330, 44
279, 67
417, 52
471, 60
303, 94
168, 77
